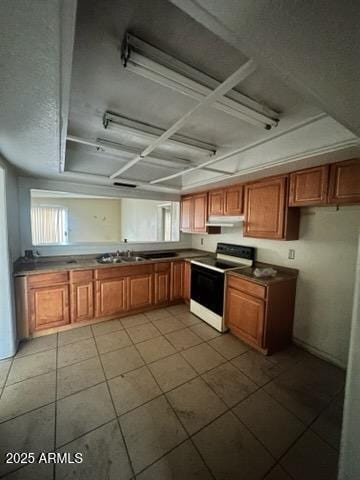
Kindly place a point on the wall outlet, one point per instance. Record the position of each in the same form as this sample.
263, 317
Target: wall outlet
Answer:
202, 241
291, 255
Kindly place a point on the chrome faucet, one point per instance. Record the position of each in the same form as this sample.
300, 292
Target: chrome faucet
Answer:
128, 253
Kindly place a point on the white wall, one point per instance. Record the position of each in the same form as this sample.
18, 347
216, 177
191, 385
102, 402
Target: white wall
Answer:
139, 220
325, 258
350, 449
9, 250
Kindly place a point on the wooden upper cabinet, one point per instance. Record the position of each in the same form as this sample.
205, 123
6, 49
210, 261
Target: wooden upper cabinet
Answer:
309, 187
344, 184
200, 209
216, 202
266, 211
140, 291
233, 200
49, 307
186, 215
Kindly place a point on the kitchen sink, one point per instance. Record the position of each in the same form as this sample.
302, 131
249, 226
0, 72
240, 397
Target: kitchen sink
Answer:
132, 259
119, 259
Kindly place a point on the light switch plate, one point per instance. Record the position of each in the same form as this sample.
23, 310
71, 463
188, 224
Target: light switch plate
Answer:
291, 255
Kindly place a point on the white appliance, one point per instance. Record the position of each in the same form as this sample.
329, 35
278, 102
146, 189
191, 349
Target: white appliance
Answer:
208, 280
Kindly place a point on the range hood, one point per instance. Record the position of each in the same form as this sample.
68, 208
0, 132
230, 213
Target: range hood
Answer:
225, 221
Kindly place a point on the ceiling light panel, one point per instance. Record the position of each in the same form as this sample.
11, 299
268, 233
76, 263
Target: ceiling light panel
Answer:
244, 109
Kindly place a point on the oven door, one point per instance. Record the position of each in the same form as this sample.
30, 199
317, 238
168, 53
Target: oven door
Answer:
207, 288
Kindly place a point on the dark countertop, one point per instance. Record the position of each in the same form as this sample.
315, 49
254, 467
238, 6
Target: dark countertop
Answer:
83, 262
283, 274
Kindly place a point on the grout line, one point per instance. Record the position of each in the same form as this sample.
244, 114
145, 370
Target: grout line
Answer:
6, 377
117, 418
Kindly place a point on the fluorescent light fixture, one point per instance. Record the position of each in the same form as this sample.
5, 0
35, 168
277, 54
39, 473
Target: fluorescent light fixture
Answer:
149, 132
253, 113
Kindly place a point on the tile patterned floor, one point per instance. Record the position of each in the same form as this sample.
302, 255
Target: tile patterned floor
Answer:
162, 396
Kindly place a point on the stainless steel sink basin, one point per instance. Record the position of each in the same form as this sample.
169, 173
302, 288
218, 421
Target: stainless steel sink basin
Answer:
132, 259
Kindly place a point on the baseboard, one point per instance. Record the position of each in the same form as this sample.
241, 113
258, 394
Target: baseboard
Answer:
319, 353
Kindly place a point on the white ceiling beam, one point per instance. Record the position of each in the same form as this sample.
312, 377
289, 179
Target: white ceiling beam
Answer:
227, 156
147, 68
127, 125
117, 149
132, 43
240, 74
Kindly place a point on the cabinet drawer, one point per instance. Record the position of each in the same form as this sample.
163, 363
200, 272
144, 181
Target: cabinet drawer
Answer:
48, 279
123, 271
82, 276
162, 267
251, 288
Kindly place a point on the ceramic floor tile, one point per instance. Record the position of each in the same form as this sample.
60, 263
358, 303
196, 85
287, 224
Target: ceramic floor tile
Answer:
37, 345
103, 328
195, 404
31, 432
104, 456
133, 320
82, 412
307, 388
204, 331
183, 339
202, 357
31, 366
150, 432
36, 471
112, 341
182, 463
74, 335
155, 349
228, 448
76, 377
132, 389
229, 346
27, 395
328, 424
263, 416
157, 314
229, 383
4, 370
178, 309
76, 352
172, 371
188, 319
140, 333
277, 473
311, 459
121, 361
257, 367
289, 357
168, 324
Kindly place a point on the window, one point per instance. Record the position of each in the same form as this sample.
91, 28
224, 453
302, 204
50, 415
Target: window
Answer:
49, 225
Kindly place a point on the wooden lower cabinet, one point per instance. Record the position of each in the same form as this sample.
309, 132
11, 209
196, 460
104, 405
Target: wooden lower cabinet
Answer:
111, 296
187, 282
49, 307
82, 300
162, 283
140, 291
177, 281
261, 316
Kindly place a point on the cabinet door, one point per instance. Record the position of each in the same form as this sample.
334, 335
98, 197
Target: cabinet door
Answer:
216, 202
162, 287
187, 281
111, 296
245, 316
177, 281
233, 200
265, 208
140, 291
186, 214
82, 302
309, 187
345, 182
49, 307
199, 212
